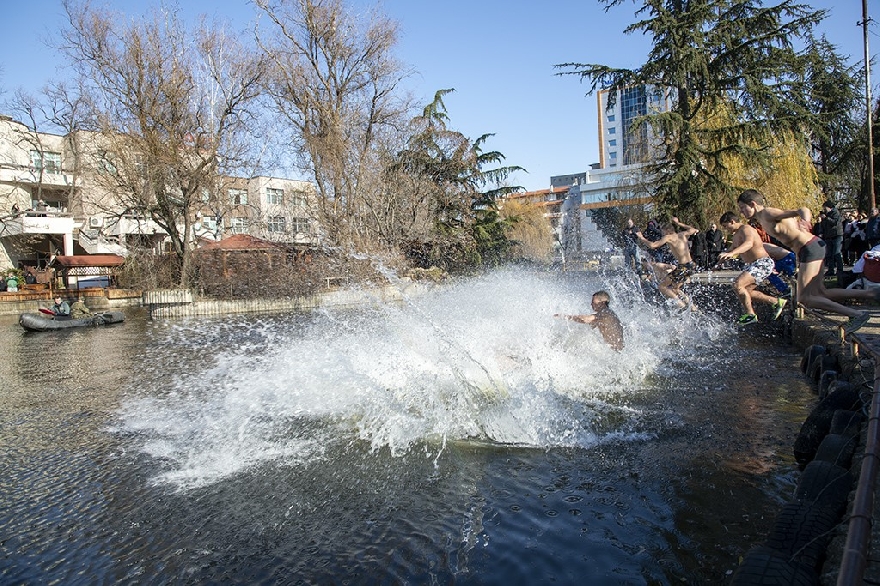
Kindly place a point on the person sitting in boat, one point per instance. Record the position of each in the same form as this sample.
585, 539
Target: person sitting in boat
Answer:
61, 307
79, 310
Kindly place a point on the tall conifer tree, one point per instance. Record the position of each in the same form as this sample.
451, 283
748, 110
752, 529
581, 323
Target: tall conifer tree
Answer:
713, 54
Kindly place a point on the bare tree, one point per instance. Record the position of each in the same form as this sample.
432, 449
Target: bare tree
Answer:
170, 113
335, 82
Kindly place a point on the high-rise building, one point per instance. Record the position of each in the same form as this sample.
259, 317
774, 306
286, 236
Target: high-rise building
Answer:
621, 142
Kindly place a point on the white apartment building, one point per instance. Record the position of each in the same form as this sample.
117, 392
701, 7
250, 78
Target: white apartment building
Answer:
50, 207
619, 177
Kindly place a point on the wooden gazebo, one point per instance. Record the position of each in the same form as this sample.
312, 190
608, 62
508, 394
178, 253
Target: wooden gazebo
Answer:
87, 267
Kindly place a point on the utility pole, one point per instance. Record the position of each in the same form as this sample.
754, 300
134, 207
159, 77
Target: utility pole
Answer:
872, 199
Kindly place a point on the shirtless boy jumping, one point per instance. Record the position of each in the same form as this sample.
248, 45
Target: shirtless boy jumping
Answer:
671, 284
750, 248
785, 226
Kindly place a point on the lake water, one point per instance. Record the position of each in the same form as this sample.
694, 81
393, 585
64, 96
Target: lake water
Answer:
466, 436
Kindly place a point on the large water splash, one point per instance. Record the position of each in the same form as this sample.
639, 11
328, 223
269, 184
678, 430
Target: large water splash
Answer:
481, 360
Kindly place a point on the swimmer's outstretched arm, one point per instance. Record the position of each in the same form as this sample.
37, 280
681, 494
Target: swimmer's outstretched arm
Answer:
583, 319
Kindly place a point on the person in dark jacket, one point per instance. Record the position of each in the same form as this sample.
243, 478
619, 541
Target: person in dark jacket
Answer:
872, 228
631, 257
699, 250
858, 243
832, 234
714, 244
817, 227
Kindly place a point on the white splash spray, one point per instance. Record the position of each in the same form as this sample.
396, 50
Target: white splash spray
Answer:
479, 360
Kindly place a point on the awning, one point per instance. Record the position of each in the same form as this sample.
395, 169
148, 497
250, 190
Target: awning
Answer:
88, 260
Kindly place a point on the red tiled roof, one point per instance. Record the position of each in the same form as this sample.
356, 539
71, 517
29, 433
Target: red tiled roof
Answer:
89, 260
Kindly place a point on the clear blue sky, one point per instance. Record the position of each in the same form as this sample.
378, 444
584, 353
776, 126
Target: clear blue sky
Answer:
498, 55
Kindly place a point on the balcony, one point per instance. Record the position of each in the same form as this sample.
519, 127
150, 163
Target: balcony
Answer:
43, 222
95, 243
125, 225
29, 176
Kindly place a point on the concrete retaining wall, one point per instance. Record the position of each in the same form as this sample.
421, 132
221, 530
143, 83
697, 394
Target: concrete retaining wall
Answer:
180, 303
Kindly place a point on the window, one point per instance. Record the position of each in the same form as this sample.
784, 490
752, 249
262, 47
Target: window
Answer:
611, 118
299, 199
300, 225
274, 196
239, 225
612, 142
205, 195
106, 164
612, 155
612, 130
46, 161
277, 224
238, 197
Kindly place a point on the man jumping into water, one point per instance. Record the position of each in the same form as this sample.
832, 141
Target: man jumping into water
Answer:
605, 320
747, 244
785, 226
679, 246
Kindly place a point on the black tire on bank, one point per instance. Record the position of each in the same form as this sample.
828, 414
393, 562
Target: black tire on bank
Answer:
802, 532
766, 566
809, 355
825, 484
845, 422
818, 423
826, 380
836, 449
820, 364
841, 384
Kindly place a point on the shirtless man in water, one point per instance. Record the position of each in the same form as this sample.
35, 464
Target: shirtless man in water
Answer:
605, 320
747, 244
787, 227
679, 246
